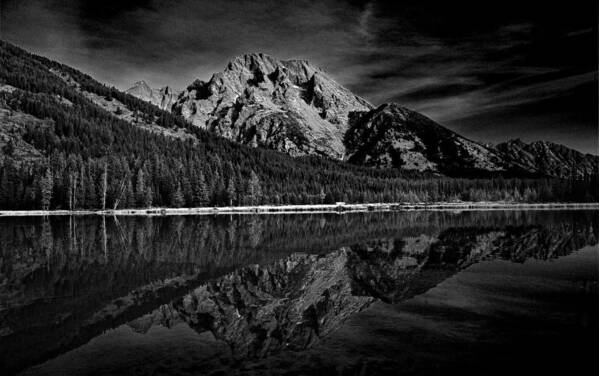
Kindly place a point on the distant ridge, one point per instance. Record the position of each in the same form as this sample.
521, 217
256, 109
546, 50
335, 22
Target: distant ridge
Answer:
548, 158
163, 97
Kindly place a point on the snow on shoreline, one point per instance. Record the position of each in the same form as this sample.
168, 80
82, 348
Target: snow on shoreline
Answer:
323, 208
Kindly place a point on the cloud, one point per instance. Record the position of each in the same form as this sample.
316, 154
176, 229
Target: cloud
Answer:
435, 58
364, 20
485, 100
175, 42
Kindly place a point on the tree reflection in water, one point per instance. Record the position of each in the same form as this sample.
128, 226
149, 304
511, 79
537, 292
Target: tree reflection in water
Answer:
261, 284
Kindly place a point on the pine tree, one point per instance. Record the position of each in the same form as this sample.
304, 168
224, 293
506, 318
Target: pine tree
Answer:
140, 188
201, 190
104, 186
46, 185
254, 189
92, 197
129, 195
72, 192
148, 197
218, 189
5, 190
187, 191
81, 186
178, 200
231, 191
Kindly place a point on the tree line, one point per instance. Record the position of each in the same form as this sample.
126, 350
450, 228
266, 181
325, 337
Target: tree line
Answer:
63, 181
91, 159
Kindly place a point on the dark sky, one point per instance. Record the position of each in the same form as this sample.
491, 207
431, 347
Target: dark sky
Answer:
491, 71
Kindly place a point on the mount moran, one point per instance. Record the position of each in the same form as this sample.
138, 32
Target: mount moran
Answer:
295, 107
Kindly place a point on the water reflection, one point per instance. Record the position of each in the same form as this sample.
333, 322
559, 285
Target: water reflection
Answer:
260, 284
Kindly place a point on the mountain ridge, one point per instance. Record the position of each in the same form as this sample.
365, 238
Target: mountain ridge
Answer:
293, 106
70, 142
163, 98
393, 136
549, 158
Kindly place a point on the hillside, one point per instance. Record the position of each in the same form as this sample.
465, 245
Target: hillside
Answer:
548, 158
70, 142
394, 137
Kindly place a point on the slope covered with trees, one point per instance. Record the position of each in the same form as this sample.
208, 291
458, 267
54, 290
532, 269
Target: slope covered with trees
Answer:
83, 156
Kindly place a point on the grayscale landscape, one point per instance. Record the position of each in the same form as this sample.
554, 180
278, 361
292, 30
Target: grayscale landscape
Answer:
298, 188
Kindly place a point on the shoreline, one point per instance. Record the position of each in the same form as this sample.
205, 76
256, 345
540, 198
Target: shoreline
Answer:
319, 208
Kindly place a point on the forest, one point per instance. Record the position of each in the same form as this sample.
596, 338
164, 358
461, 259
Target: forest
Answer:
91, 159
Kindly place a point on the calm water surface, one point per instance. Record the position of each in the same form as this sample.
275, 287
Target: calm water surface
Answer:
413, 293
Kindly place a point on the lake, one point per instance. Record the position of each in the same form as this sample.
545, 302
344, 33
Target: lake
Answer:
417, 292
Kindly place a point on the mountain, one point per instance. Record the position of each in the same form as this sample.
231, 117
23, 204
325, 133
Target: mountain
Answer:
290, 106
547, 158
69, 142
163, 98
392, 136
297, 108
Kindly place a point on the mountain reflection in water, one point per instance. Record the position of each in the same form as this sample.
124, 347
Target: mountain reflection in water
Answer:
259, 286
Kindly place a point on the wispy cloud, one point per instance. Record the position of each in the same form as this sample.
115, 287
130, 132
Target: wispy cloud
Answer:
435, 58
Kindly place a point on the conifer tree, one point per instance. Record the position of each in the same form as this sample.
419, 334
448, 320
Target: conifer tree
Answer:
104, 186
231, 191
5, 189
254, 189
178, 200
148, 197
46, 185
201, 190
187, 190
140, 188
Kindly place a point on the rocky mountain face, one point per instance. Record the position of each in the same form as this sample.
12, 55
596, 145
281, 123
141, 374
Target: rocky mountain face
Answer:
291, 106
295, 107
547, 158
393, 136
164, 97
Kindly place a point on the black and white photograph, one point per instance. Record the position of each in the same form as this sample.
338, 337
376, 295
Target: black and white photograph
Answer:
299, 187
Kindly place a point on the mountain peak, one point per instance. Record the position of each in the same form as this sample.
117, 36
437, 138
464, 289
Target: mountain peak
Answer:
162, 98
252, 62
298, 70
516, 142
392, 106
393, 136
303, 63
140, 84
288, 105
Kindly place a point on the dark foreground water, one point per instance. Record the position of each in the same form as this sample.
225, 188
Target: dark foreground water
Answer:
358, 294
